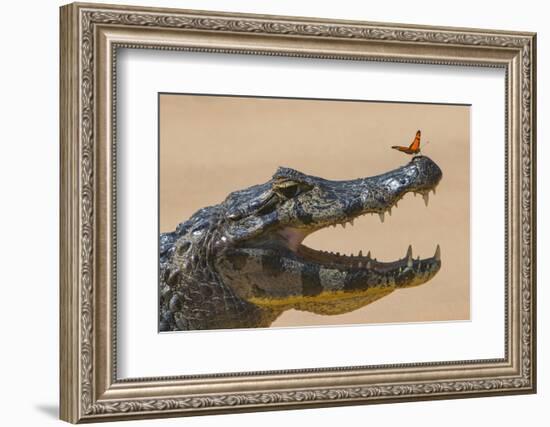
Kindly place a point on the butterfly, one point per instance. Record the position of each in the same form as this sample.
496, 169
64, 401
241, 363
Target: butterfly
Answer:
414, 148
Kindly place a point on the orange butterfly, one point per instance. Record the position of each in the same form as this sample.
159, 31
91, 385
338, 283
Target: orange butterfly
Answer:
414, 148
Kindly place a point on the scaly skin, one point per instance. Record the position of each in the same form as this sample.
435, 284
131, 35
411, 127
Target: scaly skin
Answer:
240, 264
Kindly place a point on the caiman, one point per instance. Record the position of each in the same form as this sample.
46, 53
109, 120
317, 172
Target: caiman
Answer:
241, 263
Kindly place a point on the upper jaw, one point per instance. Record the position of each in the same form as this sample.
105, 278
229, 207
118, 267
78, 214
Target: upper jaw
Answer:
374, 195
339, 202
379, 194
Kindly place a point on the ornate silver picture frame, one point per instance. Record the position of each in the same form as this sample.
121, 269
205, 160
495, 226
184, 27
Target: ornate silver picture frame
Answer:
92, 36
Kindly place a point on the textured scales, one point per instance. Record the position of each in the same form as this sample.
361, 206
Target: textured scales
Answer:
240, 264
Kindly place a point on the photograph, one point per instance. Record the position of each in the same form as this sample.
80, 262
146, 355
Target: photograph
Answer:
289, 212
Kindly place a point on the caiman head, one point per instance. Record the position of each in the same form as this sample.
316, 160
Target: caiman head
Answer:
259, 251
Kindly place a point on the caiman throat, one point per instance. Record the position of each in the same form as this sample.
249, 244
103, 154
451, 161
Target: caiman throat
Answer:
242, 263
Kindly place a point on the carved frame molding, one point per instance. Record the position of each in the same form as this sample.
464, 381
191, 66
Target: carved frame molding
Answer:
90, 36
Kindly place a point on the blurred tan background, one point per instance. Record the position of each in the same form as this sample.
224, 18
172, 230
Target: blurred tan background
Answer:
212, 145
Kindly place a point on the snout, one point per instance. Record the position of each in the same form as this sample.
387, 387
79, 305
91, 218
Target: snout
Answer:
429, 173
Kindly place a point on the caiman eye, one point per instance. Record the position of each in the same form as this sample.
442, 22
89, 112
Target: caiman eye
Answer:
290, 189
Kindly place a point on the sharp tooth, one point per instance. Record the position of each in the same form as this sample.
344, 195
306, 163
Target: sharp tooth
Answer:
389, 211
381, 215
361, 253
434, 190
437, 255
368, 255
396, 203
351, 221
426, 197
343, 225
409, 257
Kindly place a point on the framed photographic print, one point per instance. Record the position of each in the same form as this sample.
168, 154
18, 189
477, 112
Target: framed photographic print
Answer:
265, 212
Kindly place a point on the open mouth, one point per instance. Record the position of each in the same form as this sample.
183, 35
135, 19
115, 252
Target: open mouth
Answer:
363, 263
275, 248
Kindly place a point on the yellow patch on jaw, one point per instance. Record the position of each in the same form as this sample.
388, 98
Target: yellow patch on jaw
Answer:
331, 296
334, 302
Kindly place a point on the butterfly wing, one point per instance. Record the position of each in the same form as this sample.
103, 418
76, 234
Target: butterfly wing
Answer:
414, 148
415, 145
401, 148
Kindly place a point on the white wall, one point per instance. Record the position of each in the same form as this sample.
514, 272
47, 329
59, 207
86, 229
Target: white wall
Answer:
29, 211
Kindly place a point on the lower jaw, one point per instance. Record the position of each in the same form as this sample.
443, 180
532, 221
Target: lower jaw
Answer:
348, 262
325, 297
